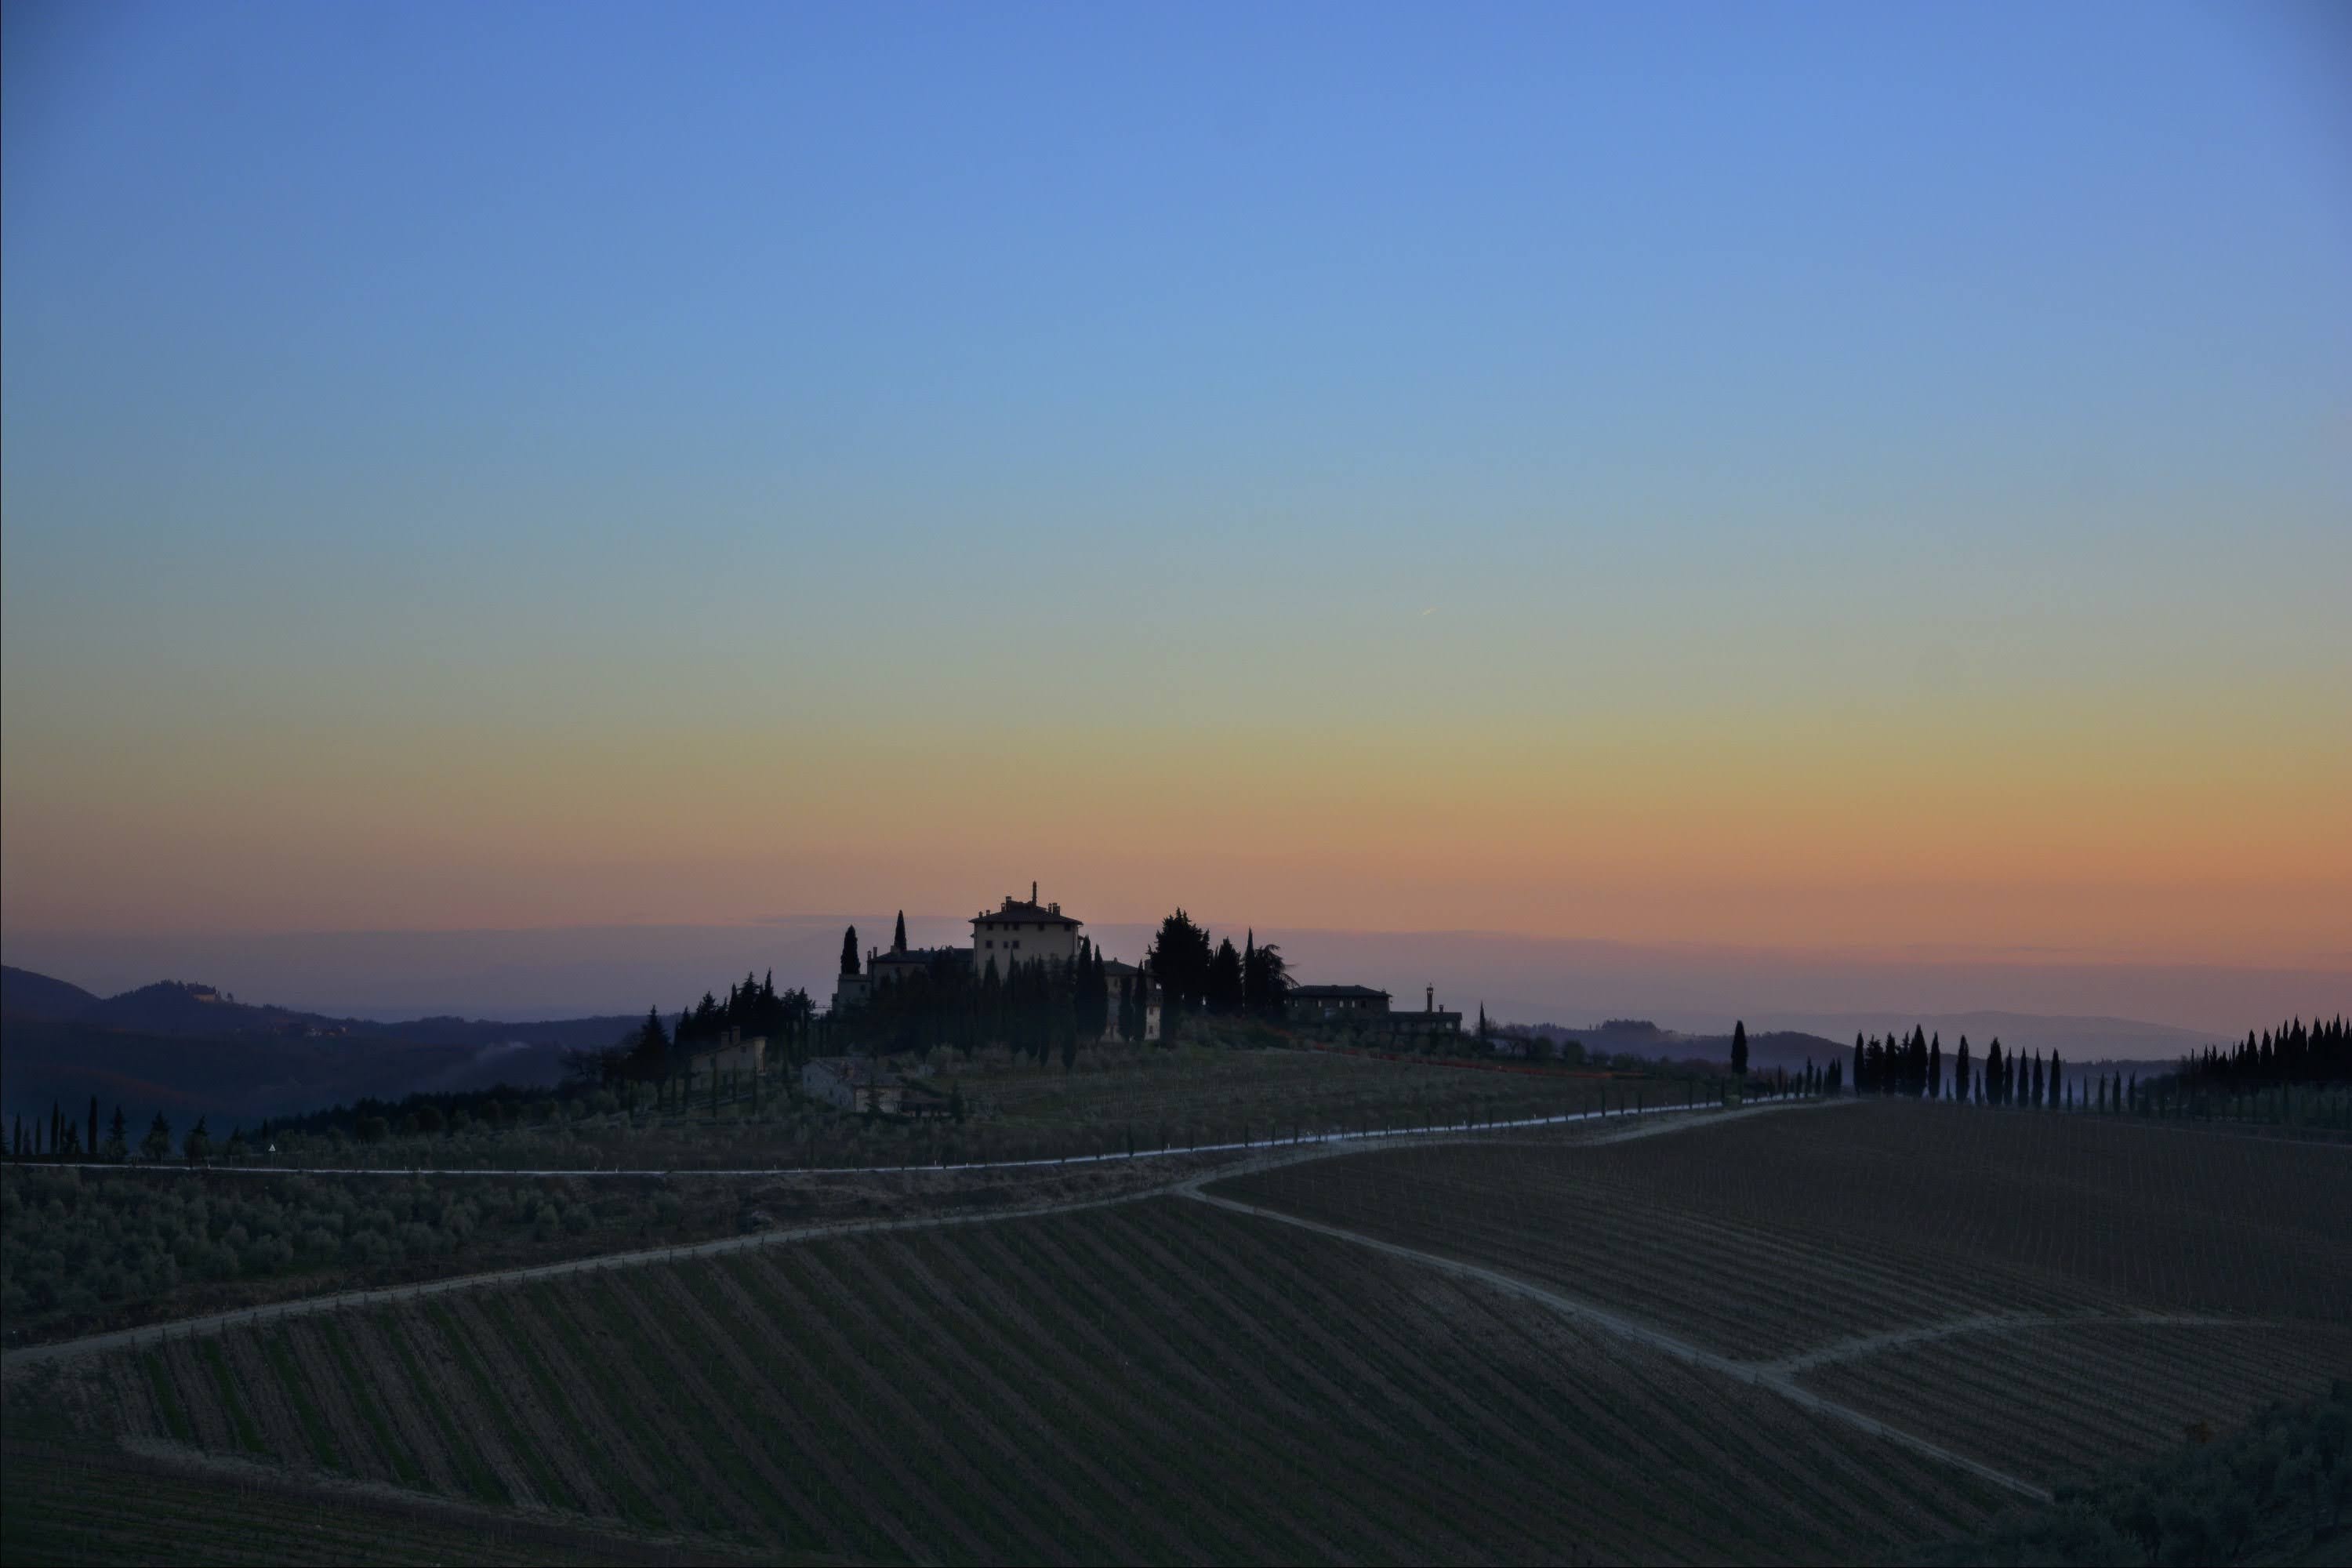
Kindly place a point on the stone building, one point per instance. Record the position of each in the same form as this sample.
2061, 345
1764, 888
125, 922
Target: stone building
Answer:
1334, 1004
1121, 974
1021, 933
1362, 1008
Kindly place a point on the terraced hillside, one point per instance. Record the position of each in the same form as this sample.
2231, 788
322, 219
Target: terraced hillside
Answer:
1160, 1381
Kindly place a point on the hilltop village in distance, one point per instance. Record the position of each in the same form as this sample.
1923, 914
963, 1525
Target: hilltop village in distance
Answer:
1023, 931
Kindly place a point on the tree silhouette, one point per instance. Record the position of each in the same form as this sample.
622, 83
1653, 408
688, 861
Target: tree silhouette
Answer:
1738, 1046
849, 951
1178, 959
1223, 987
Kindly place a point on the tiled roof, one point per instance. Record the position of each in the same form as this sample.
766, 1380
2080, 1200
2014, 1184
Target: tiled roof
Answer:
1334, 993
1019, 910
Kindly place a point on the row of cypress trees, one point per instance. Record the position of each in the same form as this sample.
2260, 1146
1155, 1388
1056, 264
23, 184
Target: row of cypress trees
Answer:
1915, 1065
63, 1138
2296, 1053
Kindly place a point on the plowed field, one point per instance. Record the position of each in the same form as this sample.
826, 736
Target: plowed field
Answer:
1158, 1381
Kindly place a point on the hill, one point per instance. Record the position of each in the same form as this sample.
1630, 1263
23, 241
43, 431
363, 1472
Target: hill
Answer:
244, 1078
192, 1049
2078, 1039
25, 994
1640, 1038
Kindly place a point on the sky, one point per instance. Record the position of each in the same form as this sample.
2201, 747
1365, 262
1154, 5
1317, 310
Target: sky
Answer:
1831, 479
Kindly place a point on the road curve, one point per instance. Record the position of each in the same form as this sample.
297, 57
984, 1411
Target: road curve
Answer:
1759, 1373
1369, 1135
1267, 1155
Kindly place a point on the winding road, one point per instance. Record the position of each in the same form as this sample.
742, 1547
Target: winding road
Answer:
1778, 1375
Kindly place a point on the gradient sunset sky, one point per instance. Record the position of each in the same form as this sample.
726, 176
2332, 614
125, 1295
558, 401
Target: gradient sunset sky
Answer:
1821, 477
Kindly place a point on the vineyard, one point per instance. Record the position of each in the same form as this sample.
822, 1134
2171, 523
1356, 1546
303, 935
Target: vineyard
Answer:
1160, 1381
2117, 1391
1778, 1233
2043, 1293
72, 1505
88, 1250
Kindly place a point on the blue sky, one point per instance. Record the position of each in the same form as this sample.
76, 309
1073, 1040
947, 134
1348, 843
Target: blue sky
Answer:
382, 380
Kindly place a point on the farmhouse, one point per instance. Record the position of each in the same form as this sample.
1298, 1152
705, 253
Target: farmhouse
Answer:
1365, 1008
882, 968
1019, 932
1326, 1003
1121, 976
851, 1083
732, 1057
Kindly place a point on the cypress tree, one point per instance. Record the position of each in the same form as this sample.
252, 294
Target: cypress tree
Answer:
93, 1124
849, 951
898, 937
1858, 1079
2057, 1092
1936, 1068
1738, 1046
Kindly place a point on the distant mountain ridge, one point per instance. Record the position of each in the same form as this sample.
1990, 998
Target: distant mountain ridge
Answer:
191, 1050
25, 995
184, 1007
2082, 1038
1640, 1037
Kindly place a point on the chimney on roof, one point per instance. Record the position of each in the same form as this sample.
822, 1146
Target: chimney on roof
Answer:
1032, 892
1429, 999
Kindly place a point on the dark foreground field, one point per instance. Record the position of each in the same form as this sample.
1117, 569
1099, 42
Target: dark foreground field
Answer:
1804, 1335
1160, 1381
2047, 1294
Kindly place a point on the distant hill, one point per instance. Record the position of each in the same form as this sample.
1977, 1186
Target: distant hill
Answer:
1640, 1037
2077, 1039
190, 1049
242, 1079
25, 994
184, 1007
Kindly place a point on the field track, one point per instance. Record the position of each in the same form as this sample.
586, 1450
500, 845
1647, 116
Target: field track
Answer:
1584, 1312
2079, 1293
1332, 1353
1159, 1380
73, 1506
1256, 1156
1332, 1140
